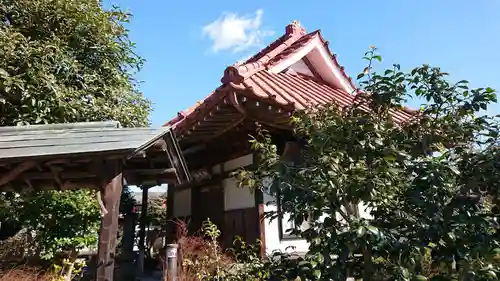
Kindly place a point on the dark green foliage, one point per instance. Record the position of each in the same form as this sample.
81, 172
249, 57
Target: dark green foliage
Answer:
65, 61
157, 213
62, 221
416, 200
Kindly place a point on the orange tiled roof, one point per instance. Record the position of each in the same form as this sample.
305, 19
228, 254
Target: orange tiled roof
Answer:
283, 88
301, 91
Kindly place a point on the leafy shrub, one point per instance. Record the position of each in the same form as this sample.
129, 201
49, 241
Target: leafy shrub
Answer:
200, 255
386, 198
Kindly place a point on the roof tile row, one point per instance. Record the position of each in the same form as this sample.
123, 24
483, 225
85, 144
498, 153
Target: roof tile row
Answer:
285, 89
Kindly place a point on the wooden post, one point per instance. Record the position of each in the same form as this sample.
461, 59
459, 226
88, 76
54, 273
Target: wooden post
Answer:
260, 211
128, 269
170, 224
259, 206
171, 272
171, 228
112, 191
196, 216
142, 230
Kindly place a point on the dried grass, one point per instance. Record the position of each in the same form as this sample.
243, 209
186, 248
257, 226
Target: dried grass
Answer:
24, 274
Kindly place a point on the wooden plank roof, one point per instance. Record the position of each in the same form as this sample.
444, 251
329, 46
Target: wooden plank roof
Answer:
34, 141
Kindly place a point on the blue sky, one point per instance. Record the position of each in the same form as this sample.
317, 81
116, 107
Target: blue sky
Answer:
462, 37
187, 45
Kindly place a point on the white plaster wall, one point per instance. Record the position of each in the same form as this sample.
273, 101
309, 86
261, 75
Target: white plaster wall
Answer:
239, 162
236, 197
322, 62
299, 246
233, 164
364, 211
301, 67
273, 242
182, 203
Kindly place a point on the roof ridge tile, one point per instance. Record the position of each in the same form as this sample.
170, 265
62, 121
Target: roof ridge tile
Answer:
237, 73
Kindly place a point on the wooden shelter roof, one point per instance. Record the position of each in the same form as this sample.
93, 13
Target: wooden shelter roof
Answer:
76, 155
38, 141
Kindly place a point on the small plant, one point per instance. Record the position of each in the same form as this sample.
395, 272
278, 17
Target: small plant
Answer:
244, 252
200, 256
249, 264
69, 270
210, 265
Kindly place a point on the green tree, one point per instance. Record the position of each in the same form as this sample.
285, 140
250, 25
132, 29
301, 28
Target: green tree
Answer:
157, 212
391, 200
66, 61
64, 221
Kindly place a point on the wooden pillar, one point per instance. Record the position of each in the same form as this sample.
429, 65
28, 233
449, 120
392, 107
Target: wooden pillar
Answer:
142, 230
260, 212
259, 206
111, 193
128, 269
171, 228
196, 216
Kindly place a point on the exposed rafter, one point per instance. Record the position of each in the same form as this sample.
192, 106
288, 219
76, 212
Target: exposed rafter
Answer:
14, 173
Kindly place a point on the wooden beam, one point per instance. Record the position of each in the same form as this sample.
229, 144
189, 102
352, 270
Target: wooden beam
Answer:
229, 127
48, 184
151, 180
312, 69
62, 175
150, 171
194, 149
14, 173
260, 209
159, 145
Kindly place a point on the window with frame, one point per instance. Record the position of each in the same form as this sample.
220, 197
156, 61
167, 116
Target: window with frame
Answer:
291, 154
285, 224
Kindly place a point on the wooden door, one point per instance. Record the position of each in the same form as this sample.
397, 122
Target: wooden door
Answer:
212, 205
243, 223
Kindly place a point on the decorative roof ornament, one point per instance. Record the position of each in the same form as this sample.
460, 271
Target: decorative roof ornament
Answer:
295, 28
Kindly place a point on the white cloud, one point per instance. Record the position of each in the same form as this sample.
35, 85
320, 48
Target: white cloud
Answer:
235, 33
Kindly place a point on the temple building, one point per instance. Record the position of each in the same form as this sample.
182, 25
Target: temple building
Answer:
295, 71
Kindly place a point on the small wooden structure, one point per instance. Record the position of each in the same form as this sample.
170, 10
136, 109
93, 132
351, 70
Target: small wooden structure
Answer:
295, 71
95, 155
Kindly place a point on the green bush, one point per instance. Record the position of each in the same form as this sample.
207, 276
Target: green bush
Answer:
430, 183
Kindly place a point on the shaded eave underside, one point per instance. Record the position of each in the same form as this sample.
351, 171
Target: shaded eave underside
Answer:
264, 97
